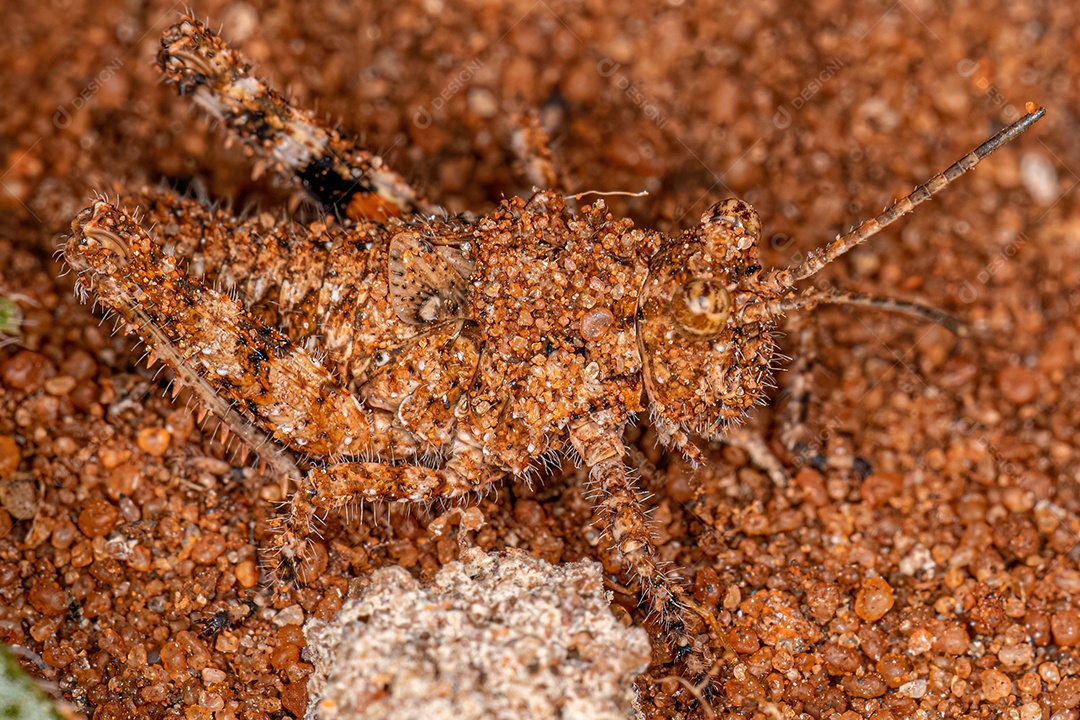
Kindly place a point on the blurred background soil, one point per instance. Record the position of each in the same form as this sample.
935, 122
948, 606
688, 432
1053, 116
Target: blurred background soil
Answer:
922, 563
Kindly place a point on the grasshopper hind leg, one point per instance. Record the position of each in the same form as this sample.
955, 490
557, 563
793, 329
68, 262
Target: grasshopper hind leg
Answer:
331, 168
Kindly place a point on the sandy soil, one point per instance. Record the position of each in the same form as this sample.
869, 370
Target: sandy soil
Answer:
940, 471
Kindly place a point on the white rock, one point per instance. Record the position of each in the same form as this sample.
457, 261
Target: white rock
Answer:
500, 635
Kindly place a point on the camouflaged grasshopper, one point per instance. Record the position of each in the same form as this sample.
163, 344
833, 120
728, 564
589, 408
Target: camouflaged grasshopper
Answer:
400, 354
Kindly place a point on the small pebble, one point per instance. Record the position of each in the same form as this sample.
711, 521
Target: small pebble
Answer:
98, 518
208, 548
920, 642
284, 655
112, 457
707, 587
239, 21
313, 563
995, 685
26, 371
823, 599
879, 488
839, 659
292, 615
140, 560
782, 661
1065, 625
294, 698
10, 455
1019, 385
122, 481
63, 534
213, 676
596, 323
1029, 684
64, 445
39, 532
1040, 178
914, 689
1031, 711
952, 640
247, 574
744, 640
129, 510
866, 686
80, 365
58, 655
473, 519
60, 385
1067, 694
292, 634
328, 607
1015, 657
1049, 672
226, 643
894, 669
482, 102
82, 554
173, 660
211, 700
874, 599
180, 424
154, 441
21, 497
1019, 500
47, 597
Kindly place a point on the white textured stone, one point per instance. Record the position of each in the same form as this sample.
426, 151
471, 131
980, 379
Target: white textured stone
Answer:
500, 635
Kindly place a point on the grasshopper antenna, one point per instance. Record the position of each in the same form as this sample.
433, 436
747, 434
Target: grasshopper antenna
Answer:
783, 280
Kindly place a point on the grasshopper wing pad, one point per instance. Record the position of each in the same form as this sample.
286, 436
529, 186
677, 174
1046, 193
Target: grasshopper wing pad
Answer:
427, 281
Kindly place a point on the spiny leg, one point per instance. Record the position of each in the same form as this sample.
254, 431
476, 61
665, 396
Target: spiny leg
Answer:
743, 438
339, 485
256, 368
259, 383
753, 444
793, 431
337, 172
624, 518
673, 436
109, 250
793, 413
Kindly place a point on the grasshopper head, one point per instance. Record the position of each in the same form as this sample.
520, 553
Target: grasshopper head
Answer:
705, 360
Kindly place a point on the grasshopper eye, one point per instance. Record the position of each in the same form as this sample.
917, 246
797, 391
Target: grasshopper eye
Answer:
701, 308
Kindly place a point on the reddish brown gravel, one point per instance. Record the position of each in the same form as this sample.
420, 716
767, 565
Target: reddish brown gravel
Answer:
922, 562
